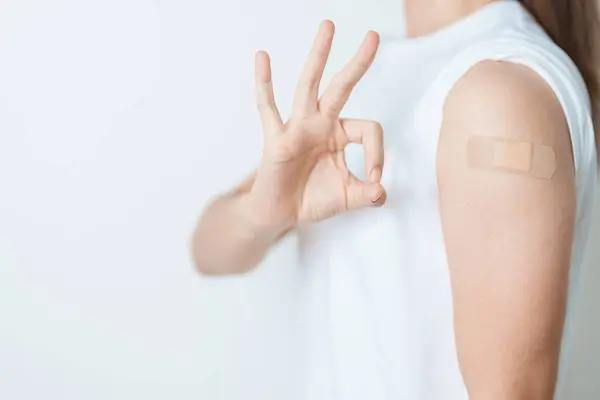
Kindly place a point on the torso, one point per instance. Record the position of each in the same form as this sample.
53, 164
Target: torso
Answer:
377, 289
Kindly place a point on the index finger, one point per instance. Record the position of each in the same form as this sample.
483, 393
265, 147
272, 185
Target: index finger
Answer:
370, 135
336, 95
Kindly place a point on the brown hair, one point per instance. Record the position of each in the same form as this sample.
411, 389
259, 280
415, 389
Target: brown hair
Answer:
574, 25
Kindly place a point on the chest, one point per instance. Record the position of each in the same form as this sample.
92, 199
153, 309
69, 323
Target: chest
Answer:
392, 93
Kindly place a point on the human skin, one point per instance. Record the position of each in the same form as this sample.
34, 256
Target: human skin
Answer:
302, 177
507, 237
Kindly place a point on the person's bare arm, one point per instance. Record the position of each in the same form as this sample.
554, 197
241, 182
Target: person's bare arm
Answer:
230, 238
508, 237
302, 177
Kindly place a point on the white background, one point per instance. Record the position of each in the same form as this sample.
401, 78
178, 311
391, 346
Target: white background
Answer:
119, 119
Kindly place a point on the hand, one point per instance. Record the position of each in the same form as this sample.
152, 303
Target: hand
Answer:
303, 177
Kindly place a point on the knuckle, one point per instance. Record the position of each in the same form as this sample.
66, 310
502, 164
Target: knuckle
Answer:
311, 82
346, 85
333, 110
299, 113
265, 106
360, 66
299, 124
377, 129
342, 83
262, 100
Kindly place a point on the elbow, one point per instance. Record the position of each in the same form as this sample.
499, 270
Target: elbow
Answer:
207, 269
207, 264
202, 265
203, 268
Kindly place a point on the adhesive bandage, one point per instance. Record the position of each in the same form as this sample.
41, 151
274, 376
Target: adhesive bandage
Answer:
511, 156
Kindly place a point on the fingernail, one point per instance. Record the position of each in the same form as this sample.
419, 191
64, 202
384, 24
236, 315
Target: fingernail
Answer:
376, 174
378, 198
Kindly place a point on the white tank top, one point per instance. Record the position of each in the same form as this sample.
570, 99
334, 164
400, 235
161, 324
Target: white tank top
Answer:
377, 289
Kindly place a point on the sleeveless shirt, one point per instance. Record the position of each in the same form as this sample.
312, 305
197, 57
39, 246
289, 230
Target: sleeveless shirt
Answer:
376, 291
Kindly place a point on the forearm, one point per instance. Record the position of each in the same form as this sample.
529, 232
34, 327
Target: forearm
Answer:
230, 239
302, 169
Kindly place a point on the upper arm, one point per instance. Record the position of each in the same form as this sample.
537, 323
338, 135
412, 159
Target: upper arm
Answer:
508, 237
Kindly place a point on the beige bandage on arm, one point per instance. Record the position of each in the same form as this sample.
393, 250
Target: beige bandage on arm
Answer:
511, 156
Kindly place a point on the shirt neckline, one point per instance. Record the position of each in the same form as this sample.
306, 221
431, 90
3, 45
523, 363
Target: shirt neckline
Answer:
484, 18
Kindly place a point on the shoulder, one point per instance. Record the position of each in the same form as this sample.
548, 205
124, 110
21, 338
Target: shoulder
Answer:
507, 101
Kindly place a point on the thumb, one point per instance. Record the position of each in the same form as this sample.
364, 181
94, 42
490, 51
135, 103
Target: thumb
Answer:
361, 195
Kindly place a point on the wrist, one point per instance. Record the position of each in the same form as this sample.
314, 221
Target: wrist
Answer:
258, 212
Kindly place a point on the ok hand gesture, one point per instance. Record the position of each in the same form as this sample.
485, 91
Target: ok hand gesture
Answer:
303, 177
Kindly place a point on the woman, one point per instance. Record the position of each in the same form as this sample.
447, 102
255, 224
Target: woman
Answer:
446, 271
